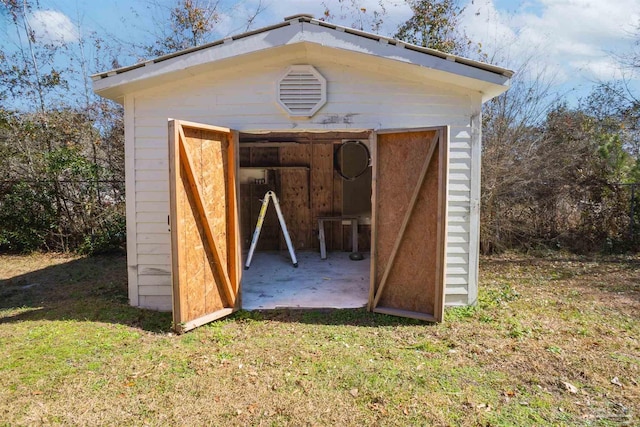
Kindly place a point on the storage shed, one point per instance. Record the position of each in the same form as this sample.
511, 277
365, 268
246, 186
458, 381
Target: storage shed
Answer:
367, 141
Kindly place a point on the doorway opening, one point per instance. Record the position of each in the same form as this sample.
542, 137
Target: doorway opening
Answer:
322, 181
409, 227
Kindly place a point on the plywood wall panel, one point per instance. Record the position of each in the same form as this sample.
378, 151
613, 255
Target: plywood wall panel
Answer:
337, 233
322, 190
270, 234
251, 196
294, 194
364, 237
245, 157
264, 156
246, 226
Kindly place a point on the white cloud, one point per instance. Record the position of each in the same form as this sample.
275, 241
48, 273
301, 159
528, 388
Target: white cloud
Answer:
604, 69
575, 37
571, 40
52, 26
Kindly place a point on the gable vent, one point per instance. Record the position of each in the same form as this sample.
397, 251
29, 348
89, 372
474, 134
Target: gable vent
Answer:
302, 91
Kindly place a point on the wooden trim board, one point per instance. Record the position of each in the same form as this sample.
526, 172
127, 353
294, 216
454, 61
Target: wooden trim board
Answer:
177, 256
405, 313
195, 323
130, 200
474, 207
441, 260
373, 150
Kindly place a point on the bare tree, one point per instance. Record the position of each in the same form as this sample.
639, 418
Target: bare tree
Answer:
512, 126
357, 14
188, 23
436, 24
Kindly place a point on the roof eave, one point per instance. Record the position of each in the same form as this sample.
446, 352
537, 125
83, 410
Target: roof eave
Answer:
299, 30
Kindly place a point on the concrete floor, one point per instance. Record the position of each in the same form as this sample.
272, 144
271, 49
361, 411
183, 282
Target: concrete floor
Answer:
273, 282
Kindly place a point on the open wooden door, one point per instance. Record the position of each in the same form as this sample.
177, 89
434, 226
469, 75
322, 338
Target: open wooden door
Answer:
409, 228
204, 223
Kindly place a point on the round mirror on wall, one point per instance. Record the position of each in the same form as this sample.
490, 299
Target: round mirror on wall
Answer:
352, 159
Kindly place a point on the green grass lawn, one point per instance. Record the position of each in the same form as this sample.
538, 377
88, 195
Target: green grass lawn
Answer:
553, 341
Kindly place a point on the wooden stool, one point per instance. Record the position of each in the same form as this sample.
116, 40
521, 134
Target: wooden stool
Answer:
354, 232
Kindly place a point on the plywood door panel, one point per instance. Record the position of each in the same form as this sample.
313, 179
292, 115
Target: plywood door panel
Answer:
204, 223
410, 222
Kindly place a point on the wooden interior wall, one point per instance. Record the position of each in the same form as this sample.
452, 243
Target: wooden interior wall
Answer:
364, 237
307, 186
251, 196
411, 281
294, 194
323, 201
335, 232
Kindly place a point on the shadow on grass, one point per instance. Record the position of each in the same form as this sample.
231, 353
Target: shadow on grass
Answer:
87, 289
95, 289
327, 316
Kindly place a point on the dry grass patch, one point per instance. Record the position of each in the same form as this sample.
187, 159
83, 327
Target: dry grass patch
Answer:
551, 342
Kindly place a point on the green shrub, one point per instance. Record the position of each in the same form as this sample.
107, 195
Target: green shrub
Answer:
110, 237
28, 217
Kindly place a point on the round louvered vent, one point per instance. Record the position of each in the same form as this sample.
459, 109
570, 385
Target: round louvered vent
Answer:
302, 91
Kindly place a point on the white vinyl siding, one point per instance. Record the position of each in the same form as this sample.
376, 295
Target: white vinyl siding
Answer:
245, 99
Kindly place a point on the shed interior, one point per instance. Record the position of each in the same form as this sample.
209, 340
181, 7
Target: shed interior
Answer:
314, 175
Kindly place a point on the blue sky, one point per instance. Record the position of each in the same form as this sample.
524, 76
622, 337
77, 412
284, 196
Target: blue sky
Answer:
573, 42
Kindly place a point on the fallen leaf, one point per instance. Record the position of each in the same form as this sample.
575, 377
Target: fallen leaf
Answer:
484, 406
570, 387
354, 392
377, 407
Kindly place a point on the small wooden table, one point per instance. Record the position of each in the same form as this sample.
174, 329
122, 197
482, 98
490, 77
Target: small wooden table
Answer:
354, 232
